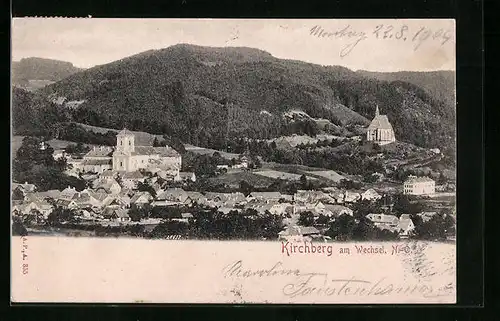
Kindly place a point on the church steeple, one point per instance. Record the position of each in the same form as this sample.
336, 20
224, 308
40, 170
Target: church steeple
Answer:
377, 112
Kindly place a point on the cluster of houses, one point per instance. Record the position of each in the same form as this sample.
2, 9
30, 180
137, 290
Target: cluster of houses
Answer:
111, 197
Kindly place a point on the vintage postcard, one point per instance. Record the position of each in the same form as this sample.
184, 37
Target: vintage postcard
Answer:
233, 161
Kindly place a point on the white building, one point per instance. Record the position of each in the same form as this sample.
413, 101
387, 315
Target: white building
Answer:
128, 157
419, 186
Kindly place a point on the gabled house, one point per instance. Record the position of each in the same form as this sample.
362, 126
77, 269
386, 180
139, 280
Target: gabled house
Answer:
307, 196
69, 204
68, 193
405, 226
118, 215
265, 196
281, 209
299, 233
131, 179
381, 220
171, 196
141, 198
370, 195
187, 176
335, 210
351, 197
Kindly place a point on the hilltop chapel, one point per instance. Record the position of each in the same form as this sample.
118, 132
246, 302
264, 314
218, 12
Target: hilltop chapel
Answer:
380, 130
128, 157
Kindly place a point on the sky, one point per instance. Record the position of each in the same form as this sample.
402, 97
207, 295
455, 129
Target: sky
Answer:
366, 44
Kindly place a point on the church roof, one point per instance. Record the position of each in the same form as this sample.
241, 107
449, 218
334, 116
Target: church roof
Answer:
125, 132
380, 122
150, 150
102, 151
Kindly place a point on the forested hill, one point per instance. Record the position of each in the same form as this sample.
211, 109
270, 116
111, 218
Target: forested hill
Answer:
193, 93
440, 84
36, 72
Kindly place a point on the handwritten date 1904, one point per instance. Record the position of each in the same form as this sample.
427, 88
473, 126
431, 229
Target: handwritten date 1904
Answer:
404, 33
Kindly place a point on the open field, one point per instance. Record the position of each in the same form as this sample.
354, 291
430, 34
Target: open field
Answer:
282, 175
234, 179
16, 142
203, 151
331, 175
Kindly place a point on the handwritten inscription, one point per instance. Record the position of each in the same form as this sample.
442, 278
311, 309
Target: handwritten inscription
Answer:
301, 284
24, 253
385, 32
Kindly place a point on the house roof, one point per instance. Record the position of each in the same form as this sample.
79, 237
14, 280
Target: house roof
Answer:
132, 175
186, 174
108, 173
337, 209
413, 179
404, 224
299, 230
404, 217
266, 195
380, 122
383, 218
94, 162
194, 195
139, 195
150, 150
102, 151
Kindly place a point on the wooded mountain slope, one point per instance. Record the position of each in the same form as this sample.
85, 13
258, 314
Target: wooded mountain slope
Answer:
205, 95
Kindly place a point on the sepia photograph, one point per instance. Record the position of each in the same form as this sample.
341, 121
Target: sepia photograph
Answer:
233, 160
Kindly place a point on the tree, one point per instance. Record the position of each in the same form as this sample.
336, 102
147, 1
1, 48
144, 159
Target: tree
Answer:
138, 213
156, 143
18, 229
306, 219
303, 181
342, 229
17, 195
145, 187
246, 188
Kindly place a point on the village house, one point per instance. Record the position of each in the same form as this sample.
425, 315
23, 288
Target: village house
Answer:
419, 186
226, 210
187, 176
141, 198
41, 206
311, 196
265, 196
335, 193
300, 234
281, 209
335, 210
116, 214
131, 179
370, 195
384, 221
65, 203
405, 226
171, 196
380, 130
58, 154
351, 197
426, 216
97, 160
68, 193
24, 188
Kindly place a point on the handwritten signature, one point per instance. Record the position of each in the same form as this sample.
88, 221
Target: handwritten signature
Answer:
401, 33
320, 284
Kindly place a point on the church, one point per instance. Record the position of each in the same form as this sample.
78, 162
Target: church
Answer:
128, 157
380, 130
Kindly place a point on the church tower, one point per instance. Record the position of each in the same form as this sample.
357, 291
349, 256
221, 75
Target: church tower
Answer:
125, 142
